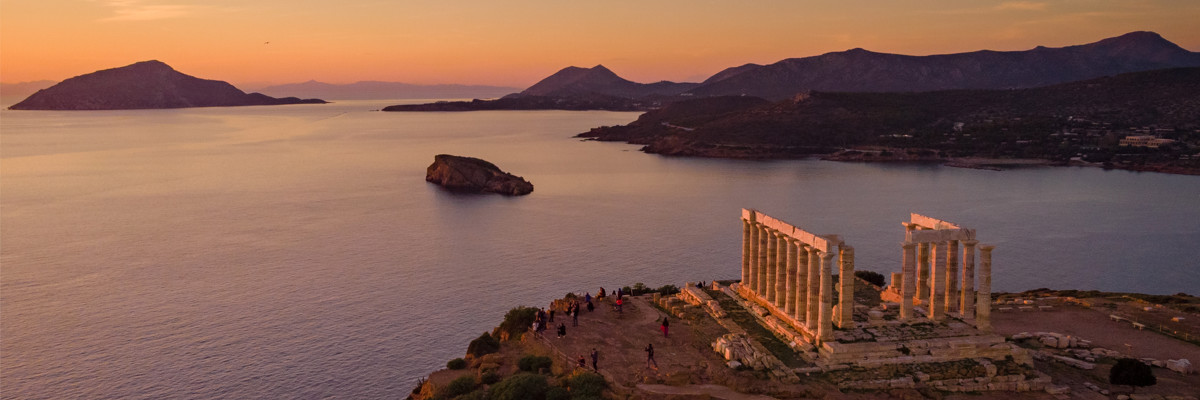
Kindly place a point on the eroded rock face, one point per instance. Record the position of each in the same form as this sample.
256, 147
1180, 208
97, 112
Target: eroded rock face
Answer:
472, 175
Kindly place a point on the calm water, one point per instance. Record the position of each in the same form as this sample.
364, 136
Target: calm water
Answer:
297, 252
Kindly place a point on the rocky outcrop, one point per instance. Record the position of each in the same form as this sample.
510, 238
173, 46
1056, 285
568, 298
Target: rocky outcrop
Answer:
145, 85
472, 175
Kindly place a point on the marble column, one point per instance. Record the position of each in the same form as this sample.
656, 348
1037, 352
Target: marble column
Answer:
760, 283
802, 251
967, 297
790, 287
983, 301
937, 274
922, 291
846, 280
825, 315
952, 277
752, 283
781, 272
772, 265
908, 283
746, 235
814, 289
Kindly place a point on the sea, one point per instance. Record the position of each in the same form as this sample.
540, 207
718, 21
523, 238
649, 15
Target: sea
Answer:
296, 252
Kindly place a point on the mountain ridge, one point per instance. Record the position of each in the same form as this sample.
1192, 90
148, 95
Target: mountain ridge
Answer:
144, 85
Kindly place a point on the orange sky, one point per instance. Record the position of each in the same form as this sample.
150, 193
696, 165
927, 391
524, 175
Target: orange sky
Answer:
517, 42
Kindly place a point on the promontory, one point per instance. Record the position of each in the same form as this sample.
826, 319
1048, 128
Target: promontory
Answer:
145, 85
472, 175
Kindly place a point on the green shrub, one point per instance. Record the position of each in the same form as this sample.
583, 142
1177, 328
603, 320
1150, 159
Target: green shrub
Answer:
1131, 372
488, 378
532, 363
667, 290
456, 363
522, 386
484, 344
462, 385
516, 322
557, 393
875, 278
586, 385
479, 394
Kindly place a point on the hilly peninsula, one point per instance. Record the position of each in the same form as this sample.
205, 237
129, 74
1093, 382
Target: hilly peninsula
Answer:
856, 70
1083, 120
145, 85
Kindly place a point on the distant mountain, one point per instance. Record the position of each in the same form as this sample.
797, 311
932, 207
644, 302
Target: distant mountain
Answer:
375, 90
860, 70
147, 84
576, 81
23, 89
965, 121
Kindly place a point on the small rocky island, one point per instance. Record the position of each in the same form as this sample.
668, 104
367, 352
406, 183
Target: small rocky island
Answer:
145, 85
472, 175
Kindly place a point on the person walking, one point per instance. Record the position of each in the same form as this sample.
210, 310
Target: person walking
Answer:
665, 325
650, 356
595, 359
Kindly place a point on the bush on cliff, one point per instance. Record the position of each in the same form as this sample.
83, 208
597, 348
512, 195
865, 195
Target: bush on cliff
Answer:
516, 322
586, 385
484, 344
875, 278
522, 386
532, 363
462, 385
456, 363
557, 393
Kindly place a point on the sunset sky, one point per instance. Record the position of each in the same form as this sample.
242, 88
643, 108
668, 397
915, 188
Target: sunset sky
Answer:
515, 43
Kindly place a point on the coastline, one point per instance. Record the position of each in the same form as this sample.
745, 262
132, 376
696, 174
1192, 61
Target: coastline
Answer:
687, 366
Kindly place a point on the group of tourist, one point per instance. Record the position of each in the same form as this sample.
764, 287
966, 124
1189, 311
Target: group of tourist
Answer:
573, 309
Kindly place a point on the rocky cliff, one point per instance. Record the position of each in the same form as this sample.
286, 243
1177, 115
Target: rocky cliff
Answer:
145, 85
472, 175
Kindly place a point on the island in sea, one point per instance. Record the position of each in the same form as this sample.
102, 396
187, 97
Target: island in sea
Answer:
801, 322
145, 85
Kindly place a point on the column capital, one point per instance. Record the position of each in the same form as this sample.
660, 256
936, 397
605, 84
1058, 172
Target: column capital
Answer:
909, 226
827, 255
971, 242
908, 245
847, 247
986, 247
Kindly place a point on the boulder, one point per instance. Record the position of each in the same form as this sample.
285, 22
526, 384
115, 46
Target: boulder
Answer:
1182, 366
472, 175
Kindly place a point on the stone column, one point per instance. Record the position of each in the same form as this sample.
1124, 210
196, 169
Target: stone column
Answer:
983, 304
846, 280
781, 273
789, 287
967, 297
801, 311
937, 273
814, 289
752, 283
952, 276
897, 280
908, 284
772, 265
760, 283
922, 291
746, 235
825, 315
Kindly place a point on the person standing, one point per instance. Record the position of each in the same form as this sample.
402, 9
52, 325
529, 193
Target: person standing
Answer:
650, 356
595, 359
575, 314
665, 325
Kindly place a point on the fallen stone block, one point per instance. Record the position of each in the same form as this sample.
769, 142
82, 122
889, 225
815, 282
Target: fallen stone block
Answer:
1182, 366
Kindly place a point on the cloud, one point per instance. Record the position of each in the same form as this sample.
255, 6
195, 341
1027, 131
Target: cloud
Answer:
141, 10
1021, 6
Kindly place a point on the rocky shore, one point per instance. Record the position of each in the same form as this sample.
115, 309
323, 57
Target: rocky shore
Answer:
1071, 335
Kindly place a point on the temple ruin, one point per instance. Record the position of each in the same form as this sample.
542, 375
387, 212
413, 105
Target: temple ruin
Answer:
932, 312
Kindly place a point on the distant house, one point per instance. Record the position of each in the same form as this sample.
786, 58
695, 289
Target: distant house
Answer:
1145, 141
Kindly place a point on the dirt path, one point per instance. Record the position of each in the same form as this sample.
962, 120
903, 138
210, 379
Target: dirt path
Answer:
1097, 327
